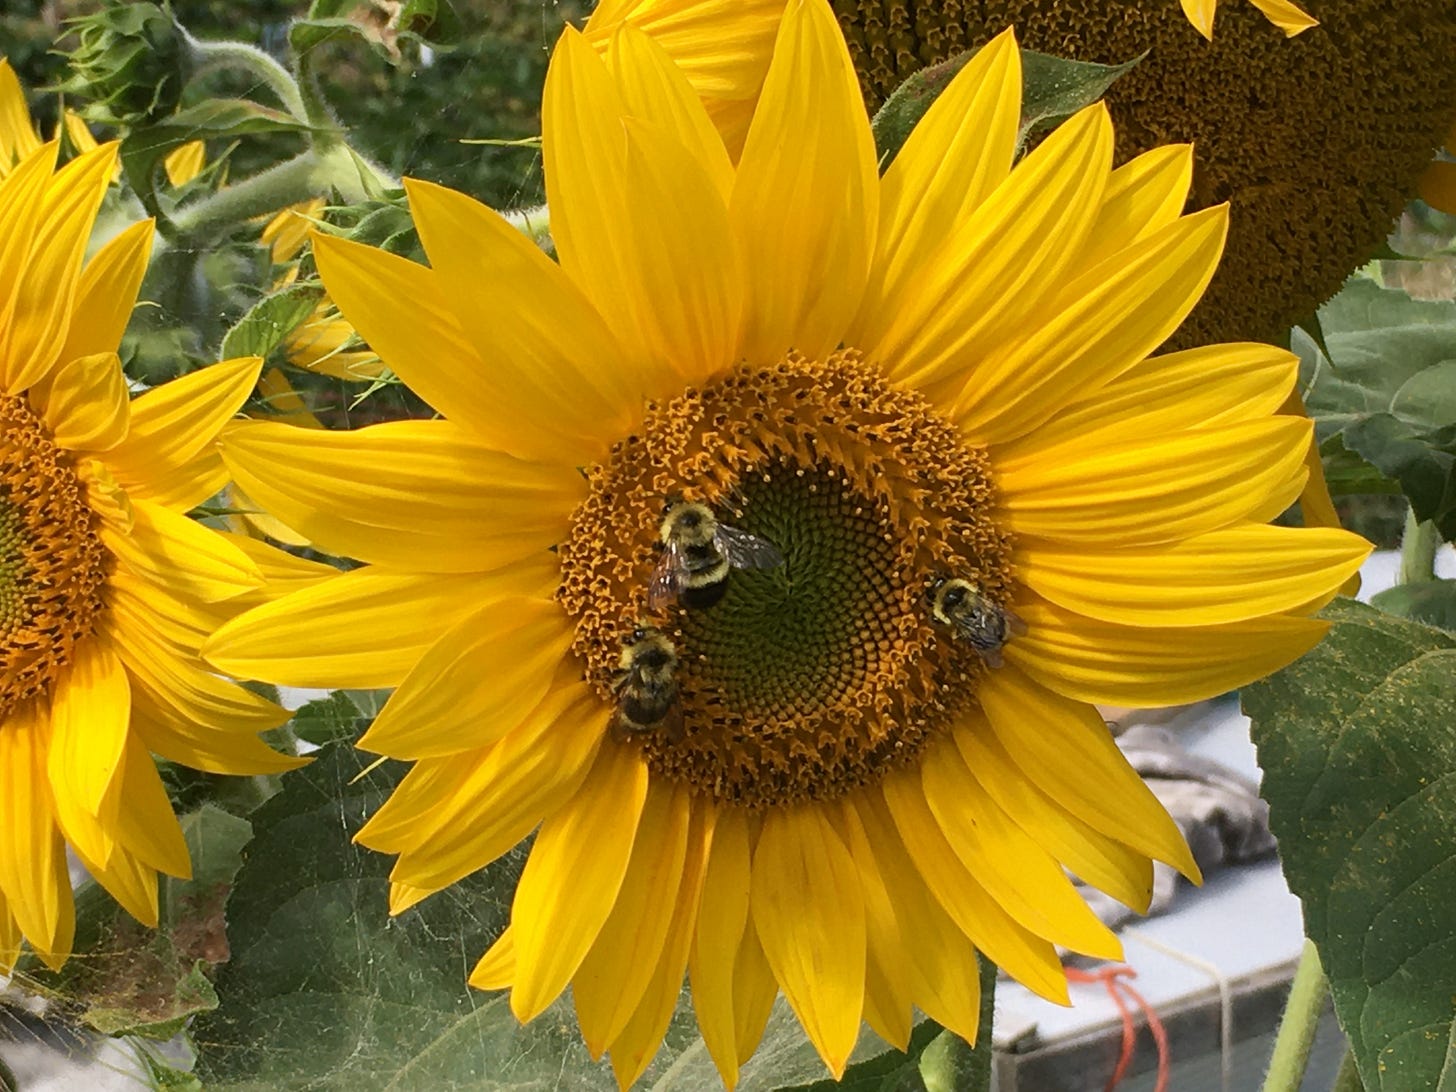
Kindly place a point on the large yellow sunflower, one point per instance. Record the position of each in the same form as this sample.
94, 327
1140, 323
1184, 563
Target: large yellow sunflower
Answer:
107, 589
941, 375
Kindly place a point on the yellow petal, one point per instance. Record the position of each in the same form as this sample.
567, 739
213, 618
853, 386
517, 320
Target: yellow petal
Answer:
1144, 195
78, 135
185, 162
182, 555
169, 455
939, 959
656, 90
1285, 16
34, 328
1014, 870
365, 628
21, 192
90, 717
129, 881
545, 343
446, 833
171, 735
889, 980
10, 937
956, 156
608, 985
146, 827
1144, 666
638, 1042
1163, 489
1104, 323
18, 137
426, 346
754, 993
1230, 575
805, 203
497, 968
722, 917
1064, 748
1090, 855
186, 713
659, 269
476, 683
1019, 952
721, 46
33, 874
107, 292
85, 403
573, 877
1200, 13
686, 282
421, 495
282, 571
810, 917
1198, 388
1000, 265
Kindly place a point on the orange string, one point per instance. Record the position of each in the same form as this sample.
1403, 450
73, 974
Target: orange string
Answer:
1113, 980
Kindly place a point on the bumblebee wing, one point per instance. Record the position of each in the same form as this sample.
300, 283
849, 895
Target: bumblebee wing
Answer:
745, 551
1014, 625
671, 724
665, 583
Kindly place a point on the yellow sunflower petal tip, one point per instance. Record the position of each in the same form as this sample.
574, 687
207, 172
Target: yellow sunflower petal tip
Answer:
805, 641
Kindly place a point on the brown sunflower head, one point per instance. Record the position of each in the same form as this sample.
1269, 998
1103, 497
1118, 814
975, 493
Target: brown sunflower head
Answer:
1315, 141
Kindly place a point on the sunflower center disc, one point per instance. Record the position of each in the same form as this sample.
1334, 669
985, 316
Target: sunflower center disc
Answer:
807, 679
52, 563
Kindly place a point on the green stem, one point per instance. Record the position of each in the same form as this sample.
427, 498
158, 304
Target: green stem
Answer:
1307, 997
1418, 550
948, 1063
980, 1074
1348, 1078
295, 180
239, 55
534, 223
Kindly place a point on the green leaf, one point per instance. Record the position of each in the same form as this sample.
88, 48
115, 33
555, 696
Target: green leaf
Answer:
336, 717
1052, 88
1382, 392
134, 981
1359, 766
1430, 601
270, 321
145, 147
1423, 462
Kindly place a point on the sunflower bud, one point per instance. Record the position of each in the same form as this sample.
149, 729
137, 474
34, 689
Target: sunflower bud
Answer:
130, 61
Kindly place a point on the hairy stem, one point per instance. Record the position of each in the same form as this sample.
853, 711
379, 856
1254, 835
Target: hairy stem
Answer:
239, 55
1307, 997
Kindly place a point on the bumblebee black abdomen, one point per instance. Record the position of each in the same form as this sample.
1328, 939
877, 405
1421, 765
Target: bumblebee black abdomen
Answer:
647, 707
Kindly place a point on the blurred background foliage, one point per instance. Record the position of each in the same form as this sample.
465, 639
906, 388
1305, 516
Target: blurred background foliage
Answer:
482, 82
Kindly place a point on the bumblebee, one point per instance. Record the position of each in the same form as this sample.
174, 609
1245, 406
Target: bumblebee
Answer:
961, 605
698, 552
646, 682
